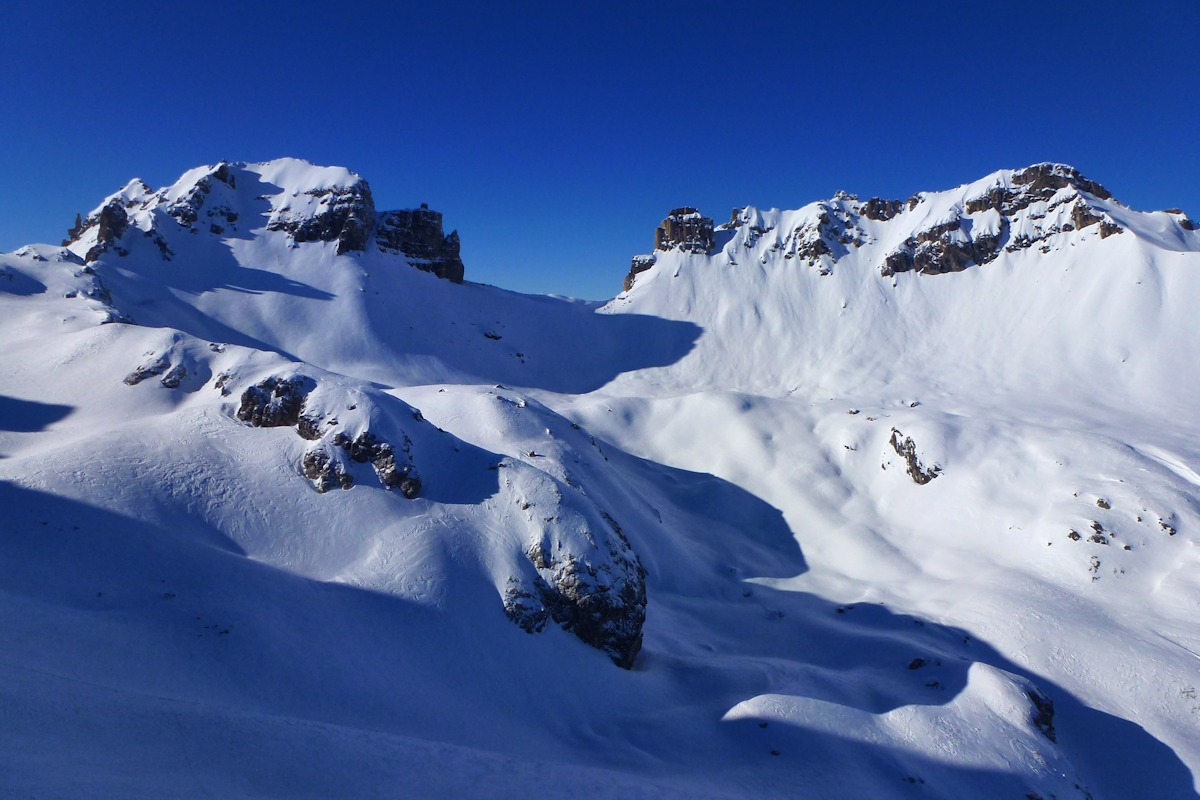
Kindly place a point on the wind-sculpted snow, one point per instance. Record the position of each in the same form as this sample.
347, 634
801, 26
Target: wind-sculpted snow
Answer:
322, 524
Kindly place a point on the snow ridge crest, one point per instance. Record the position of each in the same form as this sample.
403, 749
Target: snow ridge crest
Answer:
1042, 207
288, 196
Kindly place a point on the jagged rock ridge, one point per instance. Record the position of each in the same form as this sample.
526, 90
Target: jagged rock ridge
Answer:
1009, 211
214, 200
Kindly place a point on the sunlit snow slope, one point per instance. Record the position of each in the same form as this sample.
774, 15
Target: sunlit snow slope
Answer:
870, 499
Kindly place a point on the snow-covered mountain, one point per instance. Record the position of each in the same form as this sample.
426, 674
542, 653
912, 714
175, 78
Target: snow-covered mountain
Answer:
882, 498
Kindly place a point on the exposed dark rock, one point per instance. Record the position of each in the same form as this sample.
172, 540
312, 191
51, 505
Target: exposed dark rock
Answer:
753, 234
995, 198
939, 257
882, 210
75, 231
907, 449
366, 447
347, 216
1082, 215
897, 261
1019, 242
1035, 184
935, 232
640, 264
186, 210
685, 229
223, 174
402, 476
324, 471
524, 607
607, 617
281, 402
1041, 178
309, 427
936, 250
148, 370
599, 598
161, 243
174, 376
417, 234
111, 223
1043, 716
831, 234
275, 402
810, 247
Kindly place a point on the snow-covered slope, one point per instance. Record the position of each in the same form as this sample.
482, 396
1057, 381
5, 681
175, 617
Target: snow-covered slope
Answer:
1056, 288
882, 499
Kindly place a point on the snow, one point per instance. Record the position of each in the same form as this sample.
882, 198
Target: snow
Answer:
188, 617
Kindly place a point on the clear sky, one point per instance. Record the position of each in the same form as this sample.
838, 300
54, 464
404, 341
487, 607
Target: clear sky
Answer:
555, 135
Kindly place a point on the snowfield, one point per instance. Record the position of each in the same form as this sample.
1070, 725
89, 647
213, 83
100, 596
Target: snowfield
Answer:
882, 499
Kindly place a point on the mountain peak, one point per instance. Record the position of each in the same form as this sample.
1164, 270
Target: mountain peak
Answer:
1048, 175
1044, 206
291, 197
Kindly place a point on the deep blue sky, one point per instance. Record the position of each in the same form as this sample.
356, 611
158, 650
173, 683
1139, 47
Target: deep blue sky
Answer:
555, 136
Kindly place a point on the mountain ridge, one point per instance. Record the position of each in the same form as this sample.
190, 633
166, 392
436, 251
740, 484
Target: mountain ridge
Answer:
969, 225
846, 532
310, 203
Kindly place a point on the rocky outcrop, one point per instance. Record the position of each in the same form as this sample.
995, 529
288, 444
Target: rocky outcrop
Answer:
324, 471
958, 243
417, 234
944, 248
1042, 715
292, 402
881, 210
275, 402
152, 368
604, 607
640, 264
220, 216
111, 223
1046, 179
574, 595
832, 234
685, 229
344, 214
585, 576
392, 473
1039, 183
174, 377
341, 211
906, 448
